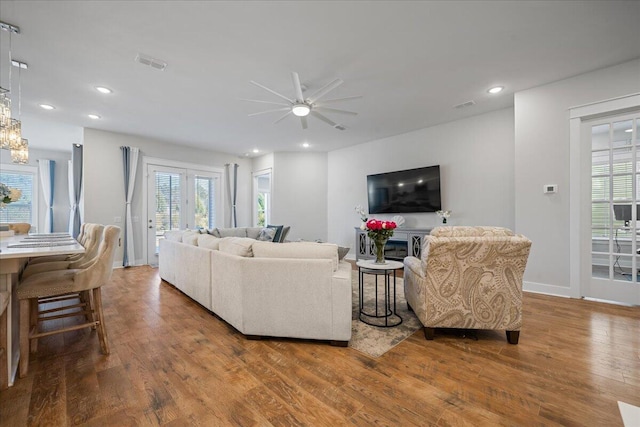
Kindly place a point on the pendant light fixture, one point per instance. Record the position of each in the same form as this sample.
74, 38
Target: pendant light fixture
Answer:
10, 128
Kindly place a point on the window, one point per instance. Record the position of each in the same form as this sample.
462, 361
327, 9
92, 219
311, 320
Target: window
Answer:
262, 198
23, 178
204, 198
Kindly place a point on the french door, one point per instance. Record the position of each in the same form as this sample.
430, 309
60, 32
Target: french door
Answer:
179, 198
615, 208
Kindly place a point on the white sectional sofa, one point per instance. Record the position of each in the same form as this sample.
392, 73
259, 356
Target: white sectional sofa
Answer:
263, 289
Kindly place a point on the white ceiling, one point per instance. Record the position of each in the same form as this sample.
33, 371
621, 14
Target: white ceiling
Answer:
411, 61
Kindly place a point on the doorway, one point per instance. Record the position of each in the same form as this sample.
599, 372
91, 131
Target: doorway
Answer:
178, 198
614, 174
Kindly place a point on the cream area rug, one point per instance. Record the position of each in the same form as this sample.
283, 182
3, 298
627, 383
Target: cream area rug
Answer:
371, 340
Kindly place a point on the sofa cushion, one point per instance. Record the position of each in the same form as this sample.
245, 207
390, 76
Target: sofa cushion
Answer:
208, 241
173, 235
190, 237
233, 232
253, 232
266, 234
297, 250
241, 246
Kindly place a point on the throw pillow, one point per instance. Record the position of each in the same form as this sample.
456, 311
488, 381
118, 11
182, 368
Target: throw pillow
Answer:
253, 232
214, 232
278, 229
342, 252
267, 234
283, 236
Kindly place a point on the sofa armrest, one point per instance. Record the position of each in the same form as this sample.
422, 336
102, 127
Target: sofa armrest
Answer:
414, 265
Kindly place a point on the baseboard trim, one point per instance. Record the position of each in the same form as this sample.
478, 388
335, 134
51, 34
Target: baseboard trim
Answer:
543, 288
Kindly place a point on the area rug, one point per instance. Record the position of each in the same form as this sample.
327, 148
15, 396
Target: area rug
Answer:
371, 340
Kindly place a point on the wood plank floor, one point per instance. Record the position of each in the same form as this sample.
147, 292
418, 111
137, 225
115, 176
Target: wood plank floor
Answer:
173, 363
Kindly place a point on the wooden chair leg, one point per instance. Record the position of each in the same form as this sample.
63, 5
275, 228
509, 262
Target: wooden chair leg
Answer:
429, 333
513, 337
25, 324
102, 330
4, 375
34, 308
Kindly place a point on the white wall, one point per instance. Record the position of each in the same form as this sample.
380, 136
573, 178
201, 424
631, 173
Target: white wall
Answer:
476, 166
61, 187
104, 182
542, 157
300, 194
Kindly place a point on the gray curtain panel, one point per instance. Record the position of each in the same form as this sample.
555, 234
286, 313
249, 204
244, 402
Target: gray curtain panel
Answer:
231, 170
47, 170
130, 166
75, 189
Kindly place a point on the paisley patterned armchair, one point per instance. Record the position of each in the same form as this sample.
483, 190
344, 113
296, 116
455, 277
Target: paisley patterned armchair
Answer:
468, 278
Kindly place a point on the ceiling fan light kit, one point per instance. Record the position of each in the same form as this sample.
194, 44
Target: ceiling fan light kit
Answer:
301, 107
301, 110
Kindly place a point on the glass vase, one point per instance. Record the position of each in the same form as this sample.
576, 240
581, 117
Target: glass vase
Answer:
379, 243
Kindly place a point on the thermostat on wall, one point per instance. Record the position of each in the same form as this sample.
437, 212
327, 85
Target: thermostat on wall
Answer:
550, 188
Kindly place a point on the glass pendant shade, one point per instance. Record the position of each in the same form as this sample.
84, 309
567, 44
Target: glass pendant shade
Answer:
5, 110
20, 155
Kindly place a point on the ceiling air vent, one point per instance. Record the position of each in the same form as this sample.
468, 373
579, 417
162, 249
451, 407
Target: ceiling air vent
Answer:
465, 105
158, 64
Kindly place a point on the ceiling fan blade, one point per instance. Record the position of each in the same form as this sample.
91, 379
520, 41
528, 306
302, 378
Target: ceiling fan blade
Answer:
325, 90
272, 91
282, 118
297, 87
335, 110
327, 101
270, 111
323, 118
303, 120
264, 102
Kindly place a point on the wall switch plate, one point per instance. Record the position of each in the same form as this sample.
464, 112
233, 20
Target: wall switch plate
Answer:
550, 188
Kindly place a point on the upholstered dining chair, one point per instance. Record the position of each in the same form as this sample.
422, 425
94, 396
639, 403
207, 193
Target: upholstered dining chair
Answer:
86, 281
91, 242
85, 231
4, 375
468, 278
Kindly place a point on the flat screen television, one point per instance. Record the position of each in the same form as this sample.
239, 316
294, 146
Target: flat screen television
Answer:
406, 191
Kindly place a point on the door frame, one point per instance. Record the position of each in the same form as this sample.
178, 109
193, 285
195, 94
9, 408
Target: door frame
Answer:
147, 161
579, 249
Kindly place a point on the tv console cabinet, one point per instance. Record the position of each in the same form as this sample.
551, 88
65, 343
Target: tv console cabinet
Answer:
404, 242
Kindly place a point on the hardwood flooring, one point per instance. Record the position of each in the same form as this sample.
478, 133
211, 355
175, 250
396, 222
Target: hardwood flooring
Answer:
173, 363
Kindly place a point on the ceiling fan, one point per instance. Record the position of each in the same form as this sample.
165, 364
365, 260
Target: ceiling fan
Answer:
303, 107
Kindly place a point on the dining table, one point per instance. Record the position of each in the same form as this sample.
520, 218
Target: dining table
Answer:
15, 252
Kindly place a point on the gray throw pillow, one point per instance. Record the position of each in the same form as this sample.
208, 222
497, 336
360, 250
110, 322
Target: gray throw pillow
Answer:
267, 234
342, 252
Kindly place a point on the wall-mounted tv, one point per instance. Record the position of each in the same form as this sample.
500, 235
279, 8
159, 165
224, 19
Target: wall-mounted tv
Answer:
406, 191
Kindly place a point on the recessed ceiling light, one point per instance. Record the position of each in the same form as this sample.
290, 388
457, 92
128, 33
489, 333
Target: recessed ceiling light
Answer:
628, 130
47, 107
93, 116
496, 89
103, 89
305, 145
255, 150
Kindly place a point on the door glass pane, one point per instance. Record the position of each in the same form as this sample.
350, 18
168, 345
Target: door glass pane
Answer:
600, 137
622, 187
622, 133
622, 160
600, 219
600, 162
167, 203
204, 202
600, 188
